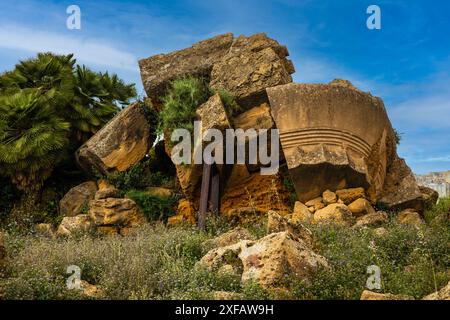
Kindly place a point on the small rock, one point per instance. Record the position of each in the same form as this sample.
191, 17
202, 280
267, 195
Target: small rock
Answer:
443, 294
77, 199
44, 229
410, 217
369, 295
347, 196
301, 213
91, 291
311, 209
104, 184
185, 214
108, 230
106, 193
228, 238
160, 192
334, 213
115, 212
380, 232
314, 202
226, 295
72, 225
372, 220
277, 223
329, 197
361, 207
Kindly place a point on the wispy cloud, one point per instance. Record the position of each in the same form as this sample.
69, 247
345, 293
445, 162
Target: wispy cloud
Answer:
87, 50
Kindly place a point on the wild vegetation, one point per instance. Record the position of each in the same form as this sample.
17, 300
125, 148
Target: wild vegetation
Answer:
157, 262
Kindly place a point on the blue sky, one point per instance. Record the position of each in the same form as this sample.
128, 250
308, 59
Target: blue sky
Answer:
407, 62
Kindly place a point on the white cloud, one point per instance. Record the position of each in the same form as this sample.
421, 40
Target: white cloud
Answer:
86, 50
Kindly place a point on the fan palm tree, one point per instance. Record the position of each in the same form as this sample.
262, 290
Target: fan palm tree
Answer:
32, 137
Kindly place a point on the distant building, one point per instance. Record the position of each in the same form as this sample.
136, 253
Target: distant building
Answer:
442, 188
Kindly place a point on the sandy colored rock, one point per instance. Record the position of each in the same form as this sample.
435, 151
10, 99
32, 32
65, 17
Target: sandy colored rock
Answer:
301, 213
269, 260
334, 213
160, 192
91, 291
430, 196
380, 232
198, 60
276, 223
372, 220
108, 230
369, 295
410, 217
185, 214
45, 230
329, 197
115, 212
74, 225
361, 207
250, 66
104, 184
227, 295
336, 137
347, 196
77, 199
253, 190
120, 144
443, 294
314, 202
228, 238
105, 193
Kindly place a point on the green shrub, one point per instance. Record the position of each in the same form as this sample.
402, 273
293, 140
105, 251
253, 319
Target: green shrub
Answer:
441, 208
185, 95
154, 208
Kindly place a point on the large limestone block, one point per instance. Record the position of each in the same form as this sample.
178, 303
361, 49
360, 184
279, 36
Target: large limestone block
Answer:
115, 212
120, 144
198, 60
77, 199
251, 65
74, 225
269, 260
335, 136
334, 213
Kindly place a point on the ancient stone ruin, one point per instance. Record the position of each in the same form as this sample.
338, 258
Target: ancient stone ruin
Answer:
337, 143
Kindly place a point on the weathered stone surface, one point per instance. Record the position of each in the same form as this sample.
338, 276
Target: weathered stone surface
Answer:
115, 212
261, 193
77, 199
372, 220
268, 260
316, 203
185, 213
121, 143
108, 230
329, 197
104, 184
256, 118
160, 192
369, 295
443, 294
334, 213
105, 193
430, 196
410, 217
301, 213
231, 237
74, 225
361, 207
45, 230
349, 195
337, 137
213, 116
252, 64
276, 223
91, 291
198, 60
